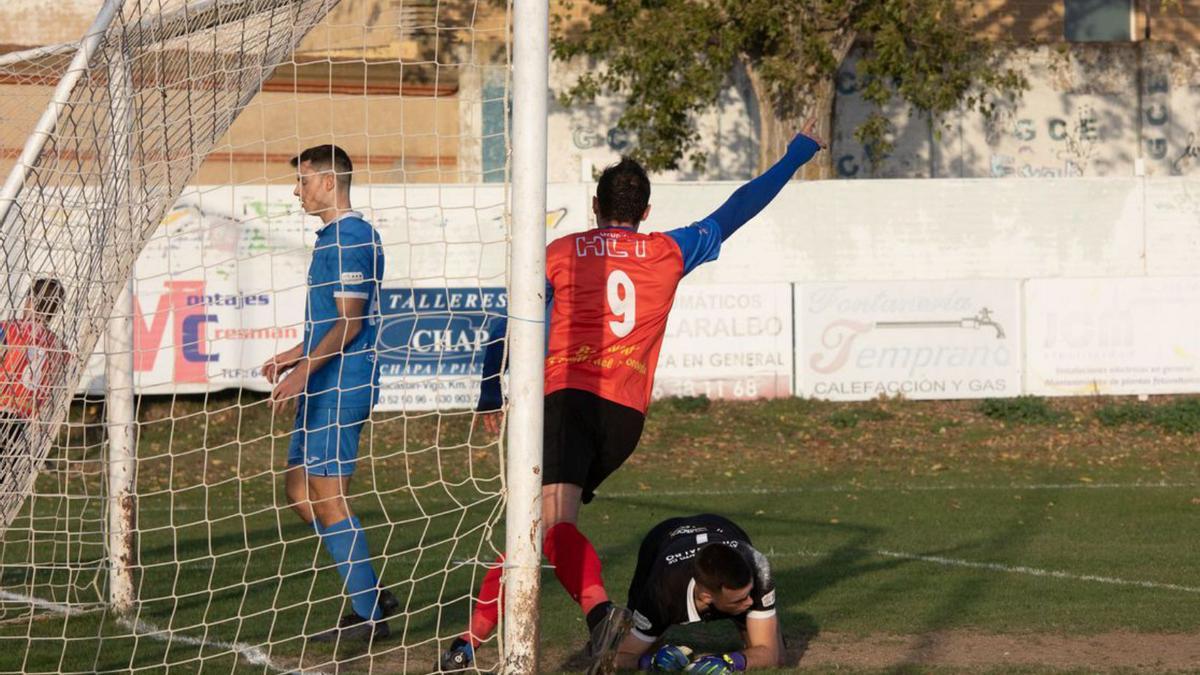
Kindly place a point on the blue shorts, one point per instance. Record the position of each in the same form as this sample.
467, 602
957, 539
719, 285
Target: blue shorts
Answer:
325, 440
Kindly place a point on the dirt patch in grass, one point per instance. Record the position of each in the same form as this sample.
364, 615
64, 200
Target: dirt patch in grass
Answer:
979, 651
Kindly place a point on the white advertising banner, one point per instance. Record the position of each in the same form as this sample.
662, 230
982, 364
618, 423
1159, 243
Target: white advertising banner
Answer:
1112, 336
919, 340
221, 287
731, 341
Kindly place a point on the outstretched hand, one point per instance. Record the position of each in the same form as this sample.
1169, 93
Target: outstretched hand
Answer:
808, 132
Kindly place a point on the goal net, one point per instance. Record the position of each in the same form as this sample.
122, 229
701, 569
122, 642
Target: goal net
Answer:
152, 158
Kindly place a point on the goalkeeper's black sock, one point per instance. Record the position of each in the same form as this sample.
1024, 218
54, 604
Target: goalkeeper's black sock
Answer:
597, 614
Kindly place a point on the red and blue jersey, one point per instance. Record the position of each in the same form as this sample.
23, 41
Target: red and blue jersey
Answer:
611, 292
612, 288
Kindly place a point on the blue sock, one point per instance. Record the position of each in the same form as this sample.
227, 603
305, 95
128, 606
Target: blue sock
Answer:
347, 545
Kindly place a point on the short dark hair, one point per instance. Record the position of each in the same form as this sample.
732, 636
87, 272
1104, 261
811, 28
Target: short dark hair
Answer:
719, 566
47, 295
325, 158
623, 192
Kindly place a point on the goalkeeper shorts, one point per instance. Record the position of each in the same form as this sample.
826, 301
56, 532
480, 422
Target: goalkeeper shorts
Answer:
586, 438
325, 440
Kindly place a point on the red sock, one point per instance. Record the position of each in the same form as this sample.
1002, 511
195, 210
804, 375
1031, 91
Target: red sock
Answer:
576, 565
487, 606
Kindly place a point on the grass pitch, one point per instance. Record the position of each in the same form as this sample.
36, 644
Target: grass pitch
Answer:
1017, 536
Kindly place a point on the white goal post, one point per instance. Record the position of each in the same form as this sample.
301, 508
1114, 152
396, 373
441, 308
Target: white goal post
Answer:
527, 309
137, 106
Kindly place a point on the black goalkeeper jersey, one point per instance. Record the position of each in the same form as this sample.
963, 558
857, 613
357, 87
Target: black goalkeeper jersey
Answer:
662, 591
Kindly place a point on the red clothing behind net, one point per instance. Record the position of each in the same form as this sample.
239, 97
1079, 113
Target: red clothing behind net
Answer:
33, 362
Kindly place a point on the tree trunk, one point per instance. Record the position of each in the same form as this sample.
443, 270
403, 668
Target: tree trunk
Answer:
775, 131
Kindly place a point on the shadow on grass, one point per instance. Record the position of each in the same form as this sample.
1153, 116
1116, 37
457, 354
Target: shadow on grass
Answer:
948, 613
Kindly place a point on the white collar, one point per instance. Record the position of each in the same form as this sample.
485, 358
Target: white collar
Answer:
348, 214
693, 615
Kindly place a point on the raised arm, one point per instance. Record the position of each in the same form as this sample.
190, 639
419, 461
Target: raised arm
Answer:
751, 198
491, 398
491, 395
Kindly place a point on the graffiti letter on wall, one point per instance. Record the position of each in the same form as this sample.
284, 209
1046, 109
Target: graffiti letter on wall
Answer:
1088, 129
1156, 114
1156, 147
1057, 128
846, 82
846, 166
1024, 131
1158, 84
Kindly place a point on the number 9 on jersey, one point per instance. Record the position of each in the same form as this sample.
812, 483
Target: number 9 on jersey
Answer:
622, 302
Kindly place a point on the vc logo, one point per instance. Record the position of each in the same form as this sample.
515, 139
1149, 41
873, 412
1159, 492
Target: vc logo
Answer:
184, 301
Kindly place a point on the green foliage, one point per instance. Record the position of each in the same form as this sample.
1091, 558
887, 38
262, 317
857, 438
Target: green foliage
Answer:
1122, 414
1019, 410
848, 418
669, 59
687, 404
1180, 416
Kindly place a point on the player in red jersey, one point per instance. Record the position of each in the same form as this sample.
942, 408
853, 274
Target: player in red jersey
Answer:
33, 361
609, 292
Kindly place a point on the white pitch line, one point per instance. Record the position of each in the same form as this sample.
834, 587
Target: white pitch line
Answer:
827, 489
249, 653
1033, 571
1007, 569
47, 605
894, 488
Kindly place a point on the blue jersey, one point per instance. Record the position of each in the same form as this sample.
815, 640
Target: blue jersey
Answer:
347, 263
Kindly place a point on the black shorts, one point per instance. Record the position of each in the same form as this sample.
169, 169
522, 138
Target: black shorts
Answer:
656, 540
586, 438
14, 446
12, 433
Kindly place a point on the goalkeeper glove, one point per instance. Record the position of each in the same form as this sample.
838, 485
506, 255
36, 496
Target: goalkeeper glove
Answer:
719, 664
668, 657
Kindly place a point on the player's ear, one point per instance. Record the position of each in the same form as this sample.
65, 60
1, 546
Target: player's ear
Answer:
646, 214
596, 207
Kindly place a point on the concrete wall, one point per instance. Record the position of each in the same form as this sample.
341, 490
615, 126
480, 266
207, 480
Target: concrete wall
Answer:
1119, 109
400, 85
1093, 110
586, 139
839, 289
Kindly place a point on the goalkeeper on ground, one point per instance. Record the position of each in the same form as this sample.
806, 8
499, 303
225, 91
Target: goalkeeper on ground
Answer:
700, 568
610, 290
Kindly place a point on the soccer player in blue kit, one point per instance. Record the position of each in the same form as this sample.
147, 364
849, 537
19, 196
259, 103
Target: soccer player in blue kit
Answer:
334, 377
